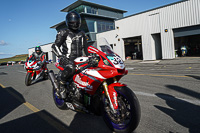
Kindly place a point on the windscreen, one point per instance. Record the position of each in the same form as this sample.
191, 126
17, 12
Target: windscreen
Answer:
104, 46
116, 60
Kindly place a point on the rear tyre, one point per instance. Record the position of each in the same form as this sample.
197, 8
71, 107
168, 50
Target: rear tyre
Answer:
60, 103
28, 79
128, 114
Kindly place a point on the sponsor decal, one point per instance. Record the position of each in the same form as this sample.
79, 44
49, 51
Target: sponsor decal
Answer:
87, 87
78, 80
76, 37
115, 98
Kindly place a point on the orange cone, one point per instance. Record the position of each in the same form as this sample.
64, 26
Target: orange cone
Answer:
7, 64
12, 64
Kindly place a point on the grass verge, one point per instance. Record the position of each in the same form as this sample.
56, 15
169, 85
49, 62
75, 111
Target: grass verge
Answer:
15, 58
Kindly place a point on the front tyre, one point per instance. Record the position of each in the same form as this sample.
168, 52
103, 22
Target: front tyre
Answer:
128, 114
45, 76
28, 79
60, 103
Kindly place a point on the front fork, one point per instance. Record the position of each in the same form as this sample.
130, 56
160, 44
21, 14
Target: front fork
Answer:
31, 71
105, 86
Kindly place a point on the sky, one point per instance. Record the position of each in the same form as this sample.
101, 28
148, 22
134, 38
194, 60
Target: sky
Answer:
26, 23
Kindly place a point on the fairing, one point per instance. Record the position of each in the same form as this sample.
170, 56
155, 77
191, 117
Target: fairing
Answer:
110, 65
34, 68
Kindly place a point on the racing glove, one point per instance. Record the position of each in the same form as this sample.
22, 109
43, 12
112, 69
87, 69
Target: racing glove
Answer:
92, 61
63, 60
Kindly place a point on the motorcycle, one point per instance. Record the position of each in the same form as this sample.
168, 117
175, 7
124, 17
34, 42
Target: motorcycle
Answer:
35, 72
95, 89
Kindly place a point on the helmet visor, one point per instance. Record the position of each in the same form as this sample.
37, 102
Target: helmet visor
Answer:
73, 19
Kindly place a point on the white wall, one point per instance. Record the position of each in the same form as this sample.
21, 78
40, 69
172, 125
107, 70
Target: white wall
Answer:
118, 45
182, 14
45, 48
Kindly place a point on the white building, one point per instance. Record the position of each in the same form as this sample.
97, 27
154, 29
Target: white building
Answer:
157, 33
46, 48
153, 34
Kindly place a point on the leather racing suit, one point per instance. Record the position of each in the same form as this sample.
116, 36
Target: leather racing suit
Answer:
70, 45
41, 57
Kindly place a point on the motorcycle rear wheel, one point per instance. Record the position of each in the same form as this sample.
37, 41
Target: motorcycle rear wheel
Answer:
128, 114
28, 79
60, 103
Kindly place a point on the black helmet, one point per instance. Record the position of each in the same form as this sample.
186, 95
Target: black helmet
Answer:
38, 50
73, 20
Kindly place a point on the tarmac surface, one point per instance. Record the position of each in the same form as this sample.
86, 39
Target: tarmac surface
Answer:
168, 92
178, 60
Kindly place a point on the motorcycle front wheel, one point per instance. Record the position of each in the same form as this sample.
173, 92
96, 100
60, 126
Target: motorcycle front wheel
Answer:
128, 113
28, 79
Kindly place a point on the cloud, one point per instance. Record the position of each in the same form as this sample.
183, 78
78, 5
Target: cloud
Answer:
3, 43
2, 53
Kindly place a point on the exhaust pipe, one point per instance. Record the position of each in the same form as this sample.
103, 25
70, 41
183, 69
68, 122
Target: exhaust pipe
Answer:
53, 79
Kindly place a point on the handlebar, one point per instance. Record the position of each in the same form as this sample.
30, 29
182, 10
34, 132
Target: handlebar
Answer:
83, 68
91, 63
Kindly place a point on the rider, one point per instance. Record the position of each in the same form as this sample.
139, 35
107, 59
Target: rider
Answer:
69, 44
39, 55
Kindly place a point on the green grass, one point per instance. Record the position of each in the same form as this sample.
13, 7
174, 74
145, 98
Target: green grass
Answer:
15, 58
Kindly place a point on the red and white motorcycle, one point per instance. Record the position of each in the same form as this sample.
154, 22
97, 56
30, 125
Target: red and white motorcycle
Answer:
96, 89
35, 72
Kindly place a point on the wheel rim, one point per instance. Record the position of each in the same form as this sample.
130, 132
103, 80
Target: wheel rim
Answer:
57, 100
123, 102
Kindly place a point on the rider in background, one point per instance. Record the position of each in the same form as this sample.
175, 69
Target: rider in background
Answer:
184, 50
69, 44
39, 55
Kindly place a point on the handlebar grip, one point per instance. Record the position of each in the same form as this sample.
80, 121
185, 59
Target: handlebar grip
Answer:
83, 68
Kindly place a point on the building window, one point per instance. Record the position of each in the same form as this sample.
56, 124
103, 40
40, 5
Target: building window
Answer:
104, 26
79, 9
91, 10
91, 25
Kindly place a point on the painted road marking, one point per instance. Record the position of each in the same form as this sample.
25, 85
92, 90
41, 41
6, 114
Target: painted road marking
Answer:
31, 107
42, 115
129, 68
160, 75
157, 61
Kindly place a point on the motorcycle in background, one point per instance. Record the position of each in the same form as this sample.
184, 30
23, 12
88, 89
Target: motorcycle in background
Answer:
35, 72
95, 89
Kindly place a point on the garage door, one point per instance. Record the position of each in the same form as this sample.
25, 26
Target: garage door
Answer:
187, 31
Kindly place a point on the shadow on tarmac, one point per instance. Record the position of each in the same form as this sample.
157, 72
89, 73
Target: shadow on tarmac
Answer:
182, 112
8, 102
195, 77
42, 121
87, 123
184, 91
39, 122
3, 73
